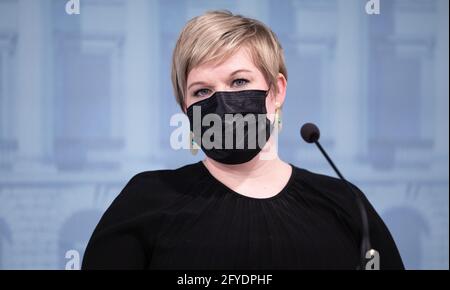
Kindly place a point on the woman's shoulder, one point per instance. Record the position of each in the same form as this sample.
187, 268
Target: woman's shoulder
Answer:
139, 207
334, 194
328, 188
171, 178
160, 183
318, 180
147, 193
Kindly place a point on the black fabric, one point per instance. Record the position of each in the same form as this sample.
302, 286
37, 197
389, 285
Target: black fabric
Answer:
251, 106
226, 102
187, 219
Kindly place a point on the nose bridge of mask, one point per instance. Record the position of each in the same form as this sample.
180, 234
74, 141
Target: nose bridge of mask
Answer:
232, 102
242, 102
249, 101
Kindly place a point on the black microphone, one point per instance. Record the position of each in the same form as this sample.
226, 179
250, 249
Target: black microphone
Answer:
311, 134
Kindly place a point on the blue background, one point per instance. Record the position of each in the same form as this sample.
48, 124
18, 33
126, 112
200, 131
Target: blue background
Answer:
85, 103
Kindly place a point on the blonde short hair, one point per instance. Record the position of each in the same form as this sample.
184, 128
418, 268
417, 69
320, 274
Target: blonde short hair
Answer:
215, 36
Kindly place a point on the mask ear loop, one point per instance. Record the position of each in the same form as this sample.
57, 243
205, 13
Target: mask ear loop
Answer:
277, 122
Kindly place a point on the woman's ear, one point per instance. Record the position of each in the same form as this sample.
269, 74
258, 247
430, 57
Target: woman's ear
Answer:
281, 94
183, 107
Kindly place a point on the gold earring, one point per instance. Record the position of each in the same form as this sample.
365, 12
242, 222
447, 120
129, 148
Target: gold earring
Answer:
192, 145
278, 121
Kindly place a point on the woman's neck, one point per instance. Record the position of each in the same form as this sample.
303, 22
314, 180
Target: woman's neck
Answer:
255, 168
257, 178
263, 176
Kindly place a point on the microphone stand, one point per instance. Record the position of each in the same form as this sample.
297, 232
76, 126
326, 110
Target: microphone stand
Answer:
365, 241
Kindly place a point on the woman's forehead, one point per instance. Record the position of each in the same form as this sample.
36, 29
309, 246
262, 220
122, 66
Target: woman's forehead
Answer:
241, 60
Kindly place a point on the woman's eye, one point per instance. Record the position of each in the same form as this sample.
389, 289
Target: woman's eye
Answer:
240, 82
202, 93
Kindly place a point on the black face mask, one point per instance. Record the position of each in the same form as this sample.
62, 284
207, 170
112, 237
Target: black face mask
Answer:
244, 127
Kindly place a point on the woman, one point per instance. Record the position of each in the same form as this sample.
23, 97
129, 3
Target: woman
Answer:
242, 207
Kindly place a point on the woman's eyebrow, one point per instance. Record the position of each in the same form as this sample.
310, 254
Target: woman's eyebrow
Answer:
231, 75
197, 83
239, 71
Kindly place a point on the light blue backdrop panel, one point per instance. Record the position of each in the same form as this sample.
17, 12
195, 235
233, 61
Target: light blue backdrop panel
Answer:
86, 102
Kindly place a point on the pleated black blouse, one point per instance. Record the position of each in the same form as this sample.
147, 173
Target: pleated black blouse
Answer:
186, 219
